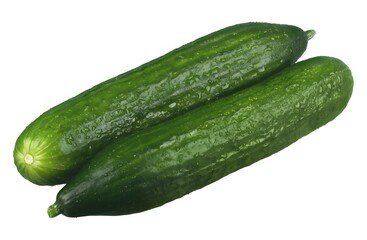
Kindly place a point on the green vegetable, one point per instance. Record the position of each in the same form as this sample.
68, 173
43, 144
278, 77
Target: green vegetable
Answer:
54, 147
165, 162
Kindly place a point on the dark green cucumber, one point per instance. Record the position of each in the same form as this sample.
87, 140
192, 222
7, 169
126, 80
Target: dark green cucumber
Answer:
165, 162
53, 147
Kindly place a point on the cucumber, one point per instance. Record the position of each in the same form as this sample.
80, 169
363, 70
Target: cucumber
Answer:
53, 147
167, 161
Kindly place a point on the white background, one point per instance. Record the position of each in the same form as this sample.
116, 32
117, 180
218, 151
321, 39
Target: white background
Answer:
314, 189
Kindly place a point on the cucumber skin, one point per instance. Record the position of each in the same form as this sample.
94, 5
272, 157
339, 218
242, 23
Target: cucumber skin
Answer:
62, 139
165, 162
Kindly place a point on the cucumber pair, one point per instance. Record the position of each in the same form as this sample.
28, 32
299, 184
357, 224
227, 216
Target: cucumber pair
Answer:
182, 121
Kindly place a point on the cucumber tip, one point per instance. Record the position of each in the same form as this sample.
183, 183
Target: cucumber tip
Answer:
28, 159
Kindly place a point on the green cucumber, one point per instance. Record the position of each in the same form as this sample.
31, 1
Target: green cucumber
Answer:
162, 163
53, 147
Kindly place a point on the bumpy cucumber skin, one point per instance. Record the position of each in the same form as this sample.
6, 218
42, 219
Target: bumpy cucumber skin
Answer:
169, 160
66, 136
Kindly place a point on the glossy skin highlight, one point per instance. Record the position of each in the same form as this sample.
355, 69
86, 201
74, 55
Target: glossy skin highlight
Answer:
62, 139
174, 158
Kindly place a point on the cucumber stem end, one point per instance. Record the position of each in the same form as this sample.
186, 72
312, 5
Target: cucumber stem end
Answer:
53, 210
310, 34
